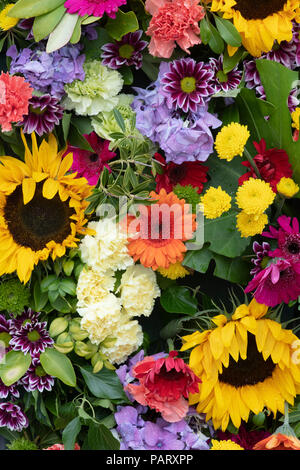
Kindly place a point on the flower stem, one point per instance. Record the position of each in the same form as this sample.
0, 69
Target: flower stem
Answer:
252, 162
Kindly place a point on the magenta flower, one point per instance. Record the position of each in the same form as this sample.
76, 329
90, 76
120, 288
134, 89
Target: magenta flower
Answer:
224, 81
125, 52
262, 256
36, 378
12, 417
94, 7
277, 283
32, 338
188, 84
90, 164
288, 238
44, 114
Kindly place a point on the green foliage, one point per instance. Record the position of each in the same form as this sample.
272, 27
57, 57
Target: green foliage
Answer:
58, 365
14, 296
179, 299
15, 366
123, 23
22, 444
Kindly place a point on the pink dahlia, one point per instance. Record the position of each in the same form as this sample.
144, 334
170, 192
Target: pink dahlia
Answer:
164, 385
279, 282
90, 164
94, 7
288, 238
15, 94
173, 22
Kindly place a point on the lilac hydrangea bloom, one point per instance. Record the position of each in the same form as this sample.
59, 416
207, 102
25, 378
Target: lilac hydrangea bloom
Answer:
182, 136
48, 73
12, 417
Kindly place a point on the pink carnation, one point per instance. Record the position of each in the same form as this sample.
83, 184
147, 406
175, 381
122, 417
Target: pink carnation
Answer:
87, 164
94, 7
164, 385
15, 94
173, 21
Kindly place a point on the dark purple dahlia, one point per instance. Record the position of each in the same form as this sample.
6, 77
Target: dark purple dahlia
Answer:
188, 84
36, 378
11, 390
44, 113
127, 51
224, 81
32, 338
5, 336
12, 417
262, 256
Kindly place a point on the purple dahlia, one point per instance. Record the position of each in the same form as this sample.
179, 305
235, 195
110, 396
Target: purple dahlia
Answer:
125, 52
29, 316
36, 378
44, 114
188, 84
12, 417
32, 338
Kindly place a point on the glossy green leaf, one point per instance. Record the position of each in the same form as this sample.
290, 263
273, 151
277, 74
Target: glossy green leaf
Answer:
15, 366
32, 8
58, 365
179, 299
70, 433
100, 438
104, 384
62, 34
43, 25
228, 32
123, 23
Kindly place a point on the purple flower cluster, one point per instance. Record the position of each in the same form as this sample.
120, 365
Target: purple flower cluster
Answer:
183, 136
48, 73
135, 432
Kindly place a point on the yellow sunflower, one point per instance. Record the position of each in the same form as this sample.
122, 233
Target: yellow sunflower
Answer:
245, 364
259, 23
41, 207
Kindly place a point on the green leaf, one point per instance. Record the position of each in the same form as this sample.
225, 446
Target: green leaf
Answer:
100, 438
60, 304
77, 140
179, 299
123, 23
205, 31
66, 121
228, 31
229, 62
75, 38
43, 25
70, 433
62, 33
104, 384
47, 282
68, 286
119, 118
215, 42
15, 366
58, 365
31, 8
40, 298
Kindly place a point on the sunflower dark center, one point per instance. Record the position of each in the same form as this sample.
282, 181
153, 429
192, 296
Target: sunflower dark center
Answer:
258, 9
38, 222
249, 371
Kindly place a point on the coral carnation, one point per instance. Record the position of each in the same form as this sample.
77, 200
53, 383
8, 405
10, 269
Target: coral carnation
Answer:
15, 94
164, 384
172, 22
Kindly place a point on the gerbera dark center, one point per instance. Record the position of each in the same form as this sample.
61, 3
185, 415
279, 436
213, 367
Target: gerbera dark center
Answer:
249, 371
188, 84
258, 9
294, 248
177, 173
38, 222
93, 157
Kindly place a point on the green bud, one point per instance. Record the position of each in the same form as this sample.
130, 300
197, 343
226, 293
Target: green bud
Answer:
58, 326
76, 331
68, 266
86, 350
259, 419
64, 343
108, 342
108, 365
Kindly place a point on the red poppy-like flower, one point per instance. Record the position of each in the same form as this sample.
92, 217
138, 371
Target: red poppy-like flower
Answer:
164, 385
278, 442
272, 164
188, 173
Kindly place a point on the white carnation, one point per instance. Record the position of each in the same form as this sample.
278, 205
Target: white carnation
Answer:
129, 337
92, 286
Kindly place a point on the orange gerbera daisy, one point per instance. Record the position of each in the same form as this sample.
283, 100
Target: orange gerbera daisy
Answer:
278, 441
160, 230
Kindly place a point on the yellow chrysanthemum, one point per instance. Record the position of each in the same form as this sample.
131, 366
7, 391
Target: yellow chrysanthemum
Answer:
287, 187
225, 445
254, 196
215, 202
250, 225
6, 22
231, 141
245, 364
296, 116
41, 207
174, 271
259, 23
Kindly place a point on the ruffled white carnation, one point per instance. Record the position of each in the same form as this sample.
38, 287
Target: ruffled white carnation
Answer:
129, 337
107, 249
93, 286
102, 319
139, 290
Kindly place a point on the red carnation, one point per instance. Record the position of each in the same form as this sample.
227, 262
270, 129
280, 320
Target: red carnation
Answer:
272, 165
164, 385
193, 173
